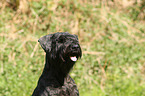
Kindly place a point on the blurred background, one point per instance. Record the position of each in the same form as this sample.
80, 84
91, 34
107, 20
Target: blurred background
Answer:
111, 34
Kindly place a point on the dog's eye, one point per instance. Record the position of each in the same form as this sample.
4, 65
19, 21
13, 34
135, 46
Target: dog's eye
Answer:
61, 40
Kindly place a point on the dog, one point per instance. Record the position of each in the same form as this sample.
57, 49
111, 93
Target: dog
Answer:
62, 51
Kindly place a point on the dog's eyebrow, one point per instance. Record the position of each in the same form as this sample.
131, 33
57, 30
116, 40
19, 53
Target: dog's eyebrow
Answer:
70, 37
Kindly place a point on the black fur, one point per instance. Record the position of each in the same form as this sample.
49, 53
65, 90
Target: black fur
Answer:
55, 80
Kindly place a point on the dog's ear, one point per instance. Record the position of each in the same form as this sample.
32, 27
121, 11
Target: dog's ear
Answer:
45, 42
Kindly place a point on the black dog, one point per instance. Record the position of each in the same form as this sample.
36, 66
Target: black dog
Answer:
62, 51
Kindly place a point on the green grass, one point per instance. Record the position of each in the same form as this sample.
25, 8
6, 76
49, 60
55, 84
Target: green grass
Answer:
112, 37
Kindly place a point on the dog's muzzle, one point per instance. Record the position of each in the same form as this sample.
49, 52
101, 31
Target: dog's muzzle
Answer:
75, 53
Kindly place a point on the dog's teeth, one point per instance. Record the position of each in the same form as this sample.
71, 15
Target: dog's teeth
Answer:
73, 58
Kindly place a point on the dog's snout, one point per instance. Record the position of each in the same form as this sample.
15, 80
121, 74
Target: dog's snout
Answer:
75, 46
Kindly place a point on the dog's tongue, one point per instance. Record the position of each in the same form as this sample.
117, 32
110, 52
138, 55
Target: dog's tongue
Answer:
73, 58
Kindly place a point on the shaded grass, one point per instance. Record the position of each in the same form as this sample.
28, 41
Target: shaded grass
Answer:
111, 37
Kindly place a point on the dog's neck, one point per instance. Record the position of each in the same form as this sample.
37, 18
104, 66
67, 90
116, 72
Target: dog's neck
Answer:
51, 75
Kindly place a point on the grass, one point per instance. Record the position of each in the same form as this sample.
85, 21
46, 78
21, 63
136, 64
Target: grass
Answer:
111, 34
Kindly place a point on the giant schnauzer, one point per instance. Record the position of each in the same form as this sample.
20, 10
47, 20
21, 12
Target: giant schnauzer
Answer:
62, 51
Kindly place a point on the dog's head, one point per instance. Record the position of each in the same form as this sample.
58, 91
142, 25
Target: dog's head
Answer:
62, 48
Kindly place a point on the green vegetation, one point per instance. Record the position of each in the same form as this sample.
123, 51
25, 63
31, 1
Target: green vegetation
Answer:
111, 34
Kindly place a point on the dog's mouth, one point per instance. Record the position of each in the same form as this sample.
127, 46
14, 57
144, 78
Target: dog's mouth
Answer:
73, 58
73, 54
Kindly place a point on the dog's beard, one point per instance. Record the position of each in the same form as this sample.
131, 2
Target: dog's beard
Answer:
65, 58
69, 54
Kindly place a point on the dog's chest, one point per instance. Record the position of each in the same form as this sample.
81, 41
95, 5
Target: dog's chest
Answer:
69, 89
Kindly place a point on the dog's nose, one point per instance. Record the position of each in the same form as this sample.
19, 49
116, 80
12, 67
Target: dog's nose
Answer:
75, 46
